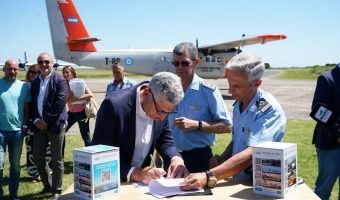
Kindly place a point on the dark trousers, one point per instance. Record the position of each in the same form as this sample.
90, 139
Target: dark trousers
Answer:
40, 143
31, 168
84, 127
197, 160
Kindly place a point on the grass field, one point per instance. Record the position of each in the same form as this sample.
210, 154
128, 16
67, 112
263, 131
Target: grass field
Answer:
308, 73
298, 131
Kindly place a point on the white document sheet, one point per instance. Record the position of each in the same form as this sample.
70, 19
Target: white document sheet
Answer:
161, 188
77, 86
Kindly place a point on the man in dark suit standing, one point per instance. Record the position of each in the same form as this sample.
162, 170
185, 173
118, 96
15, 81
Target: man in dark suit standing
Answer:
136, 120
327, 139
48, 111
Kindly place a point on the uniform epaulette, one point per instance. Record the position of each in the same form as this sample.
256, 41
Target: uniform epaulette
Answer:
263, 104
208, 85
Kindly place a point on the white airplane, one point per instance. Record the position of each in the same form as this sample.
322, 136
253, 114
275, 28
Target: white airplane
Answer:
72, 43
25, 65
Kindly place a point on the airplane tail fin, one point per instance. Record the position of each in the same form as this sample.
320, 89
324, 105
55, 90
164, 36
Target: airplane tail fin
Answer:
68, 32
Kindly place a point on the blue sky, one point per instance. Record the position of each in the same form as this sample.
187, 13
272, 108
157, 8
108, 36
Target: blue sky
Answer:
312, 27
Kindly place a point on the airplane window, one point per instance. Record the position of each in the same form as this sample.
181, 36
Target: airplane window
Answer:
207, 59
218, 59
213, 59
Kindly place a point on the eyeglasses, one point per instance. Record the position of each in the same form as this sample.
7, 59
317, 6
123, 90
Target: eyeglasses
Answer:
34, 72
161, 111
41, 62
184, 63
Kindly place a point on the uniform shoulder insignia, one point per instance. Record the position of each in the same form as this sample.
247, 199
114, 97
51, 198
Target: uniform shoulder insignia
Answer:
263, 104
208, 85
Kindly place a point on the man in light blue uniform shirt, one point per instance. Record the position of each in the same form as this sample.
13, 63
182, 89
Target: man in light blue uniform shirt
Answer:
257, 124
201, 113
119, 80
257, 117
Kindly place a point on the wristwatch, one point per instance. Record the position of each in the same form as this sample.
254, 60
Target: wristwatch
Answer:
199, 125
211, 179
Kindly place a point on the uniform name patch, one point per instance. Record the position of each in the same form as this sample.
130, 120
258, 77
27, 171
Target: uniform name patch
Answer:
263, 104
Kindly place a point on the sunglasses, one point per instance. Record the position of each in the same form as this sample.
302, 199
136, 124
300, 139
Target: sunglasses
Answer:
41, 62
34, 72
162, 111
183, 63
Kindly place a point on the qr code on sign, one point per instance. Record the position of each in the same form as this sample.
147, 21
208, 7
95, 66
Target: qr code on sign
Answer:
258, 168
258, 183
106, 175
258, 160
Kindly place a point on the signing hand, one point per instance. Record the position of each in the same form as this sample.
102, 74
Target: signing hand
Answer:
146, 174
195, 181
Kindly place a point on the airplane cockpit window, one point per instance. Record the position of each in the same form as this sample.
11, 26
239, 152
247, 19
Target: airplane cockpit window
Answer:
207, 59
218, 59
213, 59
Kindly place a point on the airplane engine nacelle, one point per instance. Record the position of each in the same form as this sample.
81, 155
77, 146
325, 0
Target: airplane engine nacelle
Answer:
22, 66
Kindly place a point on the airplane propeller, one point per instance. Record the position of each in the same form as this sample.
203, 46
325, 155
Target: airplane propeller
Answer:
56, 64
22, 65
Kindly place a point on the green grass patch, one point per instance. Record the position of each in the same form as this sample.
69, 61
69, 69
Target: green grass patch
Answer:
307, 73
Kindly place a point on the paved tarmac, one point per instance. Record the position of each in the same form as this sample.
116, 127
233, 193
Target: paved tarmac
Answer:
294, 96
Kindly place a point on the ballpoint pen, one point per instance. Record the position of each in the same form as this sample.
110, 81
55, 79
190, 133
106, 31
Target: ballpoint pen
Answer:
153, 162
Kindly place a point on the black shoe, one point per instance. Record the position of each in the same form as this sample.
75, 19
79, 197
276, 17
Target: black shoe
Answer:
46, 190
55, 196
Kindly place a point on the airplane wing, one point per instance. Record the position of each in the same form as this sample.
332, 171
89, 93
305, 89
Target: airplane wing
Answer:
210, 49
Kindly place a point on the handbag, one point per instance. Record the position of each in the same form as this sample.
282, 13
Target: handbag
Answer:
91, 109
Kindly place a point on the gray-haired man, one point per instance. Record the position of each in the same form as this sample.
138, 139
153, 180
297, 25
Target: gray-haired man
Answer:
135, 119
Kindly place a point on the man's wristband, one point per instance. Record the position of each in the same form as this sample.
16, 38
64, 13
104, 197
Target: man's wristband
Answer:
199, 125
24, 126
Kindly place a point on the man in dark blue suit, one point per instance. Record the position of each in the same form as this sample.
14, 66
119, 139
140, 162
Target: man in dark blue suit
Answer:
49, 94
327, 139
136, 120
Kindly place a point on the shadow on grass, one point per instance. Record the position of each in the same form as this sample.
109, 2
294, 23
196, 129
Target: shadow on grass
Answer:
68, 167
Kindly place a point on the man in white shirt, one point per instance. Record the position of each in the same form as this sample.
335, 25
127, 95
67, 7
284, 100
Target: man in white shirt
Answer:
136, 121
